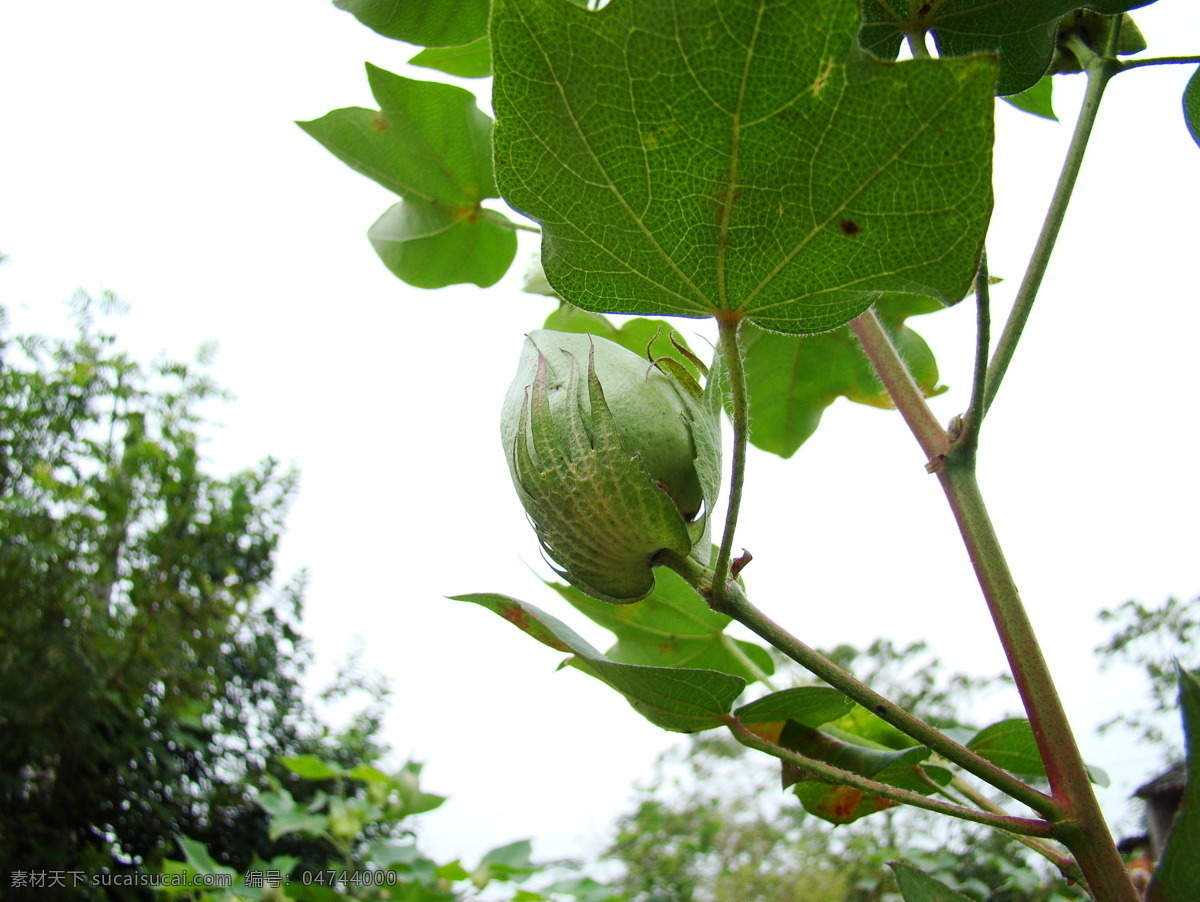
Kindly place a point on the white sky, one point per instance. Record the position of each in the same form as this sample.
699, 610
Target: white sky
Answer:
149, 148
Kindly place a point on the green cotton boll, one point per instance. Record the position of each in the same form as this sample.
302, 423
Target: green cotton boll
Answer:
614, 461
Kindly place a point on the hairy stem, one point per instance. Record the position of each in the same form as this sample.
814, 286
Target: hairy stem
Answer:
1099, 71
828, 773
731, 354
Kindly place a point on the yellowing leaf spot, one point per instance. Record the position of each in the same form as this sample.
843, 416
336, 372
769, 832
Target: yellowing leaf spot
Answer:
823, 79
379, 122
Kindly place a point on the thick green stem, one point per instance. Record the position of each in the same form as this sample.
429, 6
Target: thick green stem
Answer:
828, 773
905, 394
731, 354
1083, 829
1099, 71
1079, 823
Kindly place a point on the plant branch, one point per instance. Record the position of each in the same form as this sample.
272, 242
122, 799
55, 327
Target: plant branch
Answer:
821, 772
731, 353
904, 392
1079, 823
1099, 71
1066, 865
1126, 65
735, 604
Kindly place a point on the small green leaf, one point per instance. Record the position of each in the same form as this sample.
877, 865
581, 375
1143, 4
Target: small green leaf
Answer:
197, 855
807, 705
428, 246
649, 338
679, 699
1010, 744
430, 23
1178, 876
430, 144
504, 863
428, 141
473, 60
917, 886
453, 872
1191, 106
310, 767
792, 379
1037, 100
368, 774
287, 816
672, 627
756, 161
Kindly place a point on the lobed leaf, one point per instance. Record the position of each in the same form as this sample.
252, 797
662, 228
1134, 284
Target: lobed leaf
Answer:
696, 159
431, 145
680, 699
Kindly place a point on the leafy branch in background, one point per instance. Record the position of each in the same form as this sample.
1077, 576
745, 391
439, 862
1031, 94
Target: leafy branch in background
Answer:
767, 166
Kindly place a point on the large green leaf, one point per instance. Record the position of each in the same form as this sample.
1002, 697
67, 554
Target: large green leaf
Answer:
840, 804
917, 886
672, 627
791, 379
1191, 106
431, 145
1021, 32
431, 23
695, 158
1178, 876
680, 699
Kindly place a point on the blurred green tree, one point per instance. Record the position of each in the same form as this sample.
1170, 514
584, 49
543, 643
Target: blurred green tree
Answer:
149, 670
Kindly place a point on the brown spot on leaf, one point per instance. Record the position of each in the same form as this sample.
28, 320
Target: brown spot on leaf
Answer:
849, 227
379, 122
924, 9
